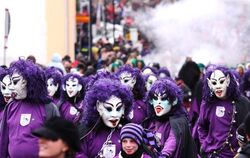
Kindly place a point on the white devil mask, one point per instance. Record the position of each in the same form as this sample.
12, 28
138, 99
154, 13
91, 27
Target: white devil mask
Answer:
5, 88
18, 87
111, 111
161, 104
127, 79
51, 87
218, 83
72, 87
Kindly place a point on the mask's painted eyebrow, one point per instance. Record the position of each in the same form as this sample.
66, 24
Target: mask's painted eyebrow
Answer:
16, 77
112, 104
3, 83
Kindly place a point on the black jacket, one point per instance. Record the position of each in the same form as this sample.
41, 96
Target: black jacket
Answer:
245, 152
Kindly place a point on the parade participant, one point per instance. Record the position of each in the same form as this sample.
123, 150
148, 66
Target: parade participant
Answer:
28, 110
245, 84
71, 102
58, 138
108, 104
245, 151
132, 78
5, 94
54, 77
133, 145
222, 111
168, 120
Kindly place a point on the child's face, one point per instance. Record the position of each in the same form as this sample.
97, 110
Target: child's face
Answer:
129, 146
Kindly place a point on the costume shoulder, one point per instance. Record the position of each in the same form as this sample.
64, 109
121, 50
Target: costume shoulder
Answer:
183, 135
242, 108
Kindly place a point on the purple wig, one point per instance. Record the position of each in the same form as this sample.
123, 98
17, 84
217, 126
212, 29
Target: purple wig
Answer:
154, 70
171, 89
233, 91
102, 90
36, 81
245, 84
80, 95
100, 74
56, 75
163, 70
139, 87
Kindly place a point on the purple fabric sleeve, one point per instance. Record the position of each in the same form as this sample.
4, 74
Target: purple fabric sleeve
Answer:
170, 145
202, 127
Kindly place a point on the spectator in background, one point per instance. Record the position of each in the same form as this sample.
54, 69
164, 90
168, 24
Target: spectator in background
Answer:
56, 61
58, 138
67, 63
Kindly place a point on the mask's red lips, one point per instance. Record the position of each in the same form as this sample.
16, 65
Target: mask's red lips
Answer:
158, 109
7, 98
114, 122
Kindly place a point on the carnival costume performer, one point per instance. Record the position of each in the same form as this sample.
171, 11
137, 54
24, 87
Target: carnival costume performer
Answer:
28, 110
5, 94
168, 120
132, 78
107, 105
54, 77
222, 110
71, 102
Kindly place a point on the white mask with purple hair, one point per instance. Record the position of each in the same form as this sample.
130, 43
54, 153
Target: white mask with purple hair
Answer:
18, 86
218, 83
111, 111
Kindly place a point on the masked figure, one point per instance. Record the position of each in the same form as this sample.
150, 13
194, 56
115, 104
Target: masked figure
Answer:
168, 120
132, 78
5, 94
53, 77
222, 111
108, 104
26, 112
71, 103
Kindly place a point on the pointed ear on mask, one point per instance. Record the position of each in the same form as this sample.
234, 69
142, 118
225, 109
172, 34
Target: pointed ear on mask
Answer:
151, 102
228, 80
57, 85
63, 87
175, 102
79, 87
133, 80
98, 107
209, 83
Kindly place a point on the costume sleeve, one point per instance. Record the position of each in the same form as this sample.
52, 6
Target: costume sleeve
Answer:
203, 124
170, 145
